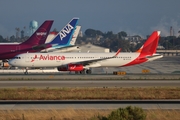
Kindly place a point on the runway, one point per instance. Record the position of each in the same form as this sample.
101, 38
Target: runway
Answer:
66, 77
89, 83
88, 104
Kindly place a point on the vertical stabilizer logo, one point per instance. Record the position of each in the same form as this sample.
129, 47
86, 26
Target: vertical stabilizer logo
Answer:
72, 67
72, 40
66, 30
41, 33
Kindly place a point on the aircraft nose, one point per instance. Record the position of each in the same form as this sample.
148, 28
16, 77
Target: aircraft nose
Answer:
11, 62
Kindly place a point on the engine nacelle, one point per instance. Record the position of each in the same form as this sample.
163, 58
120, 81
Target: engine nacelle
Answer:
71, 67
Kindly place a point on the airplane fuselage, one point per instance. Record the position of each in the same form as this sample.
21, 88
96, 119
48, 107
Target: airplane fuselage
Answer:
59, 59
8, 51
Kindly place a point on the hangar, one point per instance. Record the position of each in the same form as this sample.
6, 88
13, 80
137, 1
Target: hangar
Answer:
92, 48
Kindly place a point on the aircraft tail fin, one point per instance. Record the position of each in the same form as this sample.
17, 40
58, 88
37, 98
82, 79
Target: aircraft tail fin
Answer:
40, 35
148, 50
75, 35
65, 35
149, 47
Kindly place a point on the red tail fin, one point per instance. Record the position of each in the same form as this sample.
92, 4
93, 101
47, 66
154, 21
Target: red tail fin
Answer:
149, 47
40, 35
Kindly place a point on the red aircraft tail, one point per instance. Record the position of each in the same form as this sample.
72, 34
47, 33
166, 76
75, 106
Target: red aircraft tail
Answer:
149, 47
148, 50
40, 35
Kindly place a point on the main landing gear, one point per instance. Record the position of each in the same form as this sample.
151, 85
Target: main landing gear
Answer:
26, 71
88, 71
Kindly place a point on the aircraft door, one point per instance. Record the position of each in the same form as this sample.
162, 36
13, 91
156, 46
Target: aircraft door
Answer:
27, 58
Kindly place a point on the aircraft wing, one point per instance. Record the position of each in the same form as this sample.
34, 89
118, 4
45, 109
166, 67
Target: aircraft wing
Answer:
39, 47
90, 63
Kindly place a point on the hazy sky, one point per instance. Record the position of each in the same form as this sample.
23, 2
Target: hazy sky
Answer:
135, 17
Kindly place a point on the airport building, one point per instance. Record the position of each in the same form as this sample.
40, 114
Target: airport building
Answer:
83, 48
93, 48
51, 36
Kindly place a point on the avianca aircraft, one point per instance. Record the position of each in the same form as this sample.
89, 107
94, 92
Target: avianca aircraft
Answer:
82, 62
36, 42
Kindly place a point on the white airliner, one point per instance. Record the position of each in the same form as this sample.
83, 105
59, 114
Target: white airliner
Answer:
82, 62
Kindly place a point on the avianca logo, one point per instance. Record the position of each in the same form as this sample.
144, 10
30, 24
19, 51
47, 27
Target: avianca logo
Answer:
72, 67
41, 33
48, 57
66, 30
34, 58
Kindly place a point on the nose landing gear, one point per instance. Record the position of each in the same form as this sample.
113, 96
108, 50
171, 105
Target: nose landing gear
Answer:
26, 71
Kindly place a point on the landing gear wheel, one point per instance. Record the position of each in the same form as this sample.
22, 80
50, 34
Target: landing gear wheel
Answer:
26, 72
88, 71
82, 72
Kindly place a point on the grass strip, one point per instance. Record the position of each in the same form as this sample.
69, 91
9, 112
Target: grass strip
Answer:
72, 114
89, 93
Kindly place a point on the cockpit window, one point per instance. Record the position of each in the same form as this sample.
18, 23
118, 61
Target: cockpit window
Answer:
17, 57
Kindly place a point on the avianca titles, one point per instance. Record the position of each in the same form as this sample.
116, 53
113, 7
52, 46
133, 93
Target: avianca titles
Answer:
82, 62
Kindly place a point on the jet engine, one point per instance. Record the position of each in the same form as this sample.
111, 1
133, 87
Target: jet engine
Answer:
71, 67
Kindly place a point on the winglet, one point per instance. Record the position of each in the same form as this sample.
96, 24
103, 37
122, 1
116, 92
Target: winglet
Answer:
117, 52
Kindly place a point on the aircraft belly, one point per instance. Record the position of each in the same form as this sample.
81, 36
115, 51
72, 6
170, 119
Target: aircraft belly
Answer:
46, 63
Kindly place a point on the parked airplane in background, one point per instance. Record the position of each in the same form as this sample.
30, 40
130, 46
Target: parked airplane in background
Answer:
58, 48
82, 62
62, 39
8, 51
70, 46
